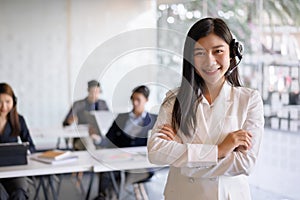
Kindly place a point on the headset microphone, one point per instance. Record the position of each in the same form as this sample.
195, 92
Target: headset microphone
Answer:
230, 71
236, 55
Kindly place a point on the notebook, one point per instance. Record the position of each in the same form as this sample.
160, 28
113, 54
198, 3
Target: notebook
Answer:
67, 159
13, 154
55, 154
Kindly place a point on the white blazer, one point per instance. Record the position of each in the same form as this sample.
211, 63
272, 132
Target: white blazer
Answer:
195, 170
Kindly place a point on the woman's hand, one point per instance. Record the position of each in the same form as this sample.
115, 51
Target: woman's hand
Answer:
237, 140
168, 132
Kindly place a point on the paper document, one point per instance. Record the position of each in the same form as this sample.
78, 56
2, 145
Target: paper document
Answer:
65, 160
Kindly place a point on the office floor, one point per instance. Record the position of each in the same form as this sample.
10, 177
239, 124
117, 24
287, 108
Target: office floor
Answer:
275, 177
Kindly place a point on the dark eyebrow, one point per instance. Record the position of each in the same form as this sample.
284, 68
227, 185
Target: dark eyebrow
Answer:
198, 48
215, 47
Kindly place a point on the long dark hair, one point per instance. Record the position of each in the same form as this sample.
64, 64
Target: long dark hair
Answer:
13, 117
193, 85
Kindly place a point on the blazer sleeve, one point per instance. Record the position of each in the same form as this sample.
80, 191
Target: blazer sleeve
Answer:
78, 106
65, 122
238, 162
111, 132
25, 135
110, 138
176, 153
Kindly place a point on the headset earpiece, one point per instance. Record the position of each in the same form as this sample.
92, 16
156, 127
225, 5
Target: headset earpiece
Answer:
236, 49
15, 100
239, 50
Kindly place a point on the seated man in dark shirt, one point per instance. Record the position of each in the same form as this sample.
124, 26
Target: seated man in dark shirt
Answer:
129, 130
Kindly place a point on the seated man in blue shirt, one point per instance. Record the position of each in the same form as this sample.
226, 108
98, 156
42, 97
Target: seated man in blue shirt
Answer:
129, 130
77, 113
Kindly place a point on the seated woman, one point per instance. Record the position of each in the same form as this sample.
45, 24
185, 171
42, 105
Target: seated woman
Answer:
12, 127
129, 130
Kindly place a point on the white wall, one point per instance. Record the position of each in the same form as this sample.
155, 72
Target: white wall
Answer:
45, 48
32, 57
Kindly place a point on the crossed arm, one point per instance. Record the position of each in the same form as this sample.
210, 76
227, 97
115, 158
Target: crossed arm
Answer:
236, 154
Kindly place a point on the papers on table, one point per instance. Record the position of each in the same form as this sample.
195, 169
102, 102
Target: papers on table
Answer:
121, 154
116, 157
55, 157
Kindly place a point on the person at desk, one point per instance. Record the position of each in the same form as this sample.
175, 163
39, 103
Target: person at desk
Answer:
129, 130
77, 113
12, 127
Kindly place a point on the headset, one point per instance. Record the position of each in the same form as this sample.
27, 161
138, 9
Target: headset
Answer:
236, 54
15, 100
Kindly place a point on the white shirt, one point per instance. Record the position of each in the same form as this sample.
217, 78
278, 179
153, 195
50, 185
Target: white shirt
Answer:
134, 124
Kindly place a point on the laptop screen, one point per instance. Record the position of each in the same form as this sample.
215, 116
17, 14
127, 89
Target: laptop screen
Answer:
101, 120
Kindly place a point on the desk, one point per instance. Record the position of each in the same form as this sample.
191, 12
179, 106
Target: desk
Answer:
131, 158
35, 168
74, 131
95, 161
63, 132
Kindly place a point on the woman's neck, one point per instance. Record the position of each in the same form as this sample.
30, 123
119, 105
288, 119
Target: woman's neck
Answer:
3, 121
212, 91
3, 118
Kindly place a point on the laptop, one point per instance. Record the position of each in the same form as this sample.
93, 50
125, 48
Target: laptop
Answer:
100, 120
13, 154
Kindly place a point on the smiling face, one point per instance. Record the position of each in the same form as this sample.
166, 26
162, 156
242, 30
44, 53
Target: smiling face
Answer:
211, 58
6, 104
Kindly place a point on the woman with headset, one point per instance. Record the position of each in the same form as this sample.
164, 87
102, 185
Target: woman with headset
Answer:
208, 130
12, 127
